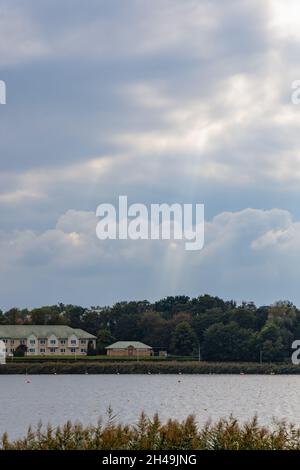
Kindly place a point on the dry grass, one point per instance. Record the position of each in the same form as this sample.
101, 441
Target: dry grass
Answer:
152, 434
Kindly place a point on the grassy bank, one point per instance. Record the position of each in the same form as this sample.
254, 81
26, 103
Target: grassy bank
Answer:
151, 434
149, 367
104, 358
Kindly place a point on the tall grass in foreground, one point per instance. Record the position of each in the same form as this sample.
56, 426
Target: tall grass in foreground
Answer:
152, 434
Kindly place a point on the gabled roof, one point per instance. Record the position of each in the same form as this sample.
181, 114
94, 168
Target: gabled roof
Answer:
127, 344
42, 331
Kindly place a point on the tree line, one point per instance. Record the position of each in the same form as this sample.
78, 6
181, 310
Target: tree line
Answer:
208, 326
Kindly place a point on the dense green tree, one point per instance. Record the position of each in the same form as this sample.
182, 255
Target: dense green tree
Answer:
244, 316
154, 330
15, 316
48, 315
91, 321
73, 315
172, 305
104, 338
204, 320
206, 302
183, 340
229, 343
225, 330
261, 317
20, 350
271, 343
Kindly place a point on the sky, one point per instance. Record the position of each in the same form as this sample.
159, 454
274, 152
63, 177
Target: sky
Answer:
185, 101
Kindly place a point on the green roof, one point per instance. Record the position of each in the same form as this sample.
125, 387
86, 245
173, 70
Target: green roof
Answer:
126, 344
42, 331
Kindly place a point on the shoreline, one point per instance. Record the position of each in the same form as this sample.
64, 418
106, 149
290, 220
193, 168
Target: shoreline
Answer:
174, 367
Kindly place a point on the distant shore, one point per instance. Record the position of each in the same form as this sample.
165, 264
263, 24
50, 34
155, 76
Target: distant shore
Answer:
149, 367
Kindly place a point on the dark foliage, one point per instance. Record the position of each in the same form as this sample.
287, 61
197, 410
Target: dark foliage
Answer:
223, 330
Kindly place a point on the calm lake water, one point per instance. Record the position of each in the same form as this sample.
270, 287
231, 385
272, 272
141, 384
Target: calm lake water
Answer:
57, 398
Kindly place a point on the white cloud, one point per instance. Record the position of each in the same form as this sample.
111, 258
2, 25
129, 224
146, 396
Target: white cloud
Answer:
20, 196
148, 95
37, 183
221, 137
245, 254
285, 18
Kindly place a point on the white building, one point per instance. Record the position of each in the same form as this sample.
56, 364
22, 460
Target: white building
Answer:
47, 340
2, 352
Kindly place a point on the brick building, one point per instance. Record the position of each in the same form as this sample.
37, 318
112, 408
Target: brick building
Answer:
129, 348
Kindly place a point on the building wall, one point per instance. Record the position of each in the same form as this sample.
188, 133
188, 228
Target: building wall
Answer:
126, 352
59, 348
2, 353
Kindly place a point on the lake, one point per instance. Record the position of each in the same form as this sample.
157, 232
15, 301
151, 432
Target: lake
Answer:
56, 398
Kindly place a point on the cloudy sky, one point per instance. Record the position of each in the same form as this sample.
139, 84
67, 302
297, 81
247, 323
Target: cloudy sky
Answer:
164, 101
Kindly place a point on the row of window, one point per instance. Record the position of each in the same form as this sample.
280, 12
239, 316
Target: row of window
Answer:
12, 341
62, 341
43, 341
54, 350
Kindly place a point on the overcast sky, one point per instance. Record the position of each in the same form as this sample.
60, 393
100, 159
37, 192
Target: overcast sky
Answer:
183, 101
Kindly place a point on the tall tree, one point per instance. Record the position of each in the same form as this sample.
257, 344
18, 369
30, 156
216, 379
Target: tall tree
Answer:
184, 340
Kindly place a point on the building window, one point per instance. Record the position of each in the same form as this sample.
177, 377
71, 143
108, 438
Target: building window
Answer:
62, 350
32, 350
32, 341
73, 341
63, 341
83, 350
42, 350
52, 350
83, 341
22, 341
73, 350
42, 341
12, 342
52, 341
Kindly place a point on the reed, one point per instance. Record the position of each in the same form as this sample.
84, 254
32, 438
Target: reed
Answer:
152, 434
148, 367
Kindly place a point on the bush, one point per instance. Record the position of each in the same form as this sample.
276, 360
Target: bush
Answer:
146, 367
152, 434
